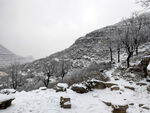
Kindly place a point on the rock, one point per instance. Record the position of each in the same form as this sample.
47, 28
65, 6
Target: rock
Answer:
131, 104
140, 105
107, 103
115, 88
146, 108
61, 87
6, 103
99, 84
110, 85
141, 84
131, 88
144, 65
79, 88
148, 88
65, 103
119, 108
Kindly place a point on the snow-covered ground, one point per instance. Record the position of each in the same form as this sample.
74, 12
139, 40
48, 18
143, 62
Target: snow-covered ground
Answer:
48, 101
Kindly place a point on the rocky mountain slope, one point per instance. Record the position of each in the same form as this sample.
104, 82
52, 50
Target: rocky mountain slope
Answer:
7, 57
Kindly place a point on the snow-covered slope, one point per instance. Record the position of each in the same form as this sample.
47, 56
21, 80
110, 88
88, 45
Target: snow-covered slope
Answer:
48, 101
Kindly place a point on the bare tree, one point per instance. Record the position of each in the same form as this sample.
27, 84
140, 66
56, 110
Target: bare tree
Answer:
127, 41
118, 41
144, 3
49, 71
64, 68
137, 23
14, 75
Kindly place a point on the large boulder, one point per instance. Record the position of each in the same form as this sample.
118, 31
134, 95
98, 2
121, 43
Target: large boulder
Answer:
79, 88
65, 103
95, 84
61, 87
5, 101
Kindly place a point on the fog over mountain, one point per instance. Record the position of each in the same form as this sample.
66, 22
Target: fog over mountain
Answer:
40, 28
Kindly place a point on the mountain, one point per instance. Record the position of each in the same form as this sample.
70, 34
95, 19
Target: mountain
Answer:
86, 52
7, 57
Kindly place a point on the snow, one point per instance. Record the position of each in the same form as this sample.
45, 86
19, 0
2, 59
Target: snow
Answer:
47, 101
79, 85
64, 85
4, 97
148, 67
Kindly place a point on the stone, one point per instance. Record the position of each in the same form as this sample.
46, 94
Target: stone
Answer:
61, 87
131, 104
110, 85
107, 103
119, 108
65, 103
148, 88
146, 108
128, 87
79, 89
115, 88
140, 105
5, 104
141, 84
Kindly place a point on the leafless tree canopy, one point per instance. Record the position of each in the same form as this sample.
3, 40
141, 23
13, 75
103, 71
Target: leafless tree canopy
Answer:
49, 71
15, 77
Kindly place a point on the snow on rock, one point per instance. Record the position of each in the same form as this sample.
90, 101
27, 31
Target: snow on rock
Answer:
148, 67
42, 88
7, 91
64, 85
4, 97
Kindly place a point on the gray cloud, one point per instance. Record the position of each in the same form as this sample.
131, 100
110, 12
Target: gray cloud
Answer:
42, 27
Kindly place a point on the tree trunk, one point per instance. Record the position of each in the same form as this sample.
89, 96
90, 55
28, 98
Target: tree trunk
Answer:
111, 57
137, 52
128, 59
118, 55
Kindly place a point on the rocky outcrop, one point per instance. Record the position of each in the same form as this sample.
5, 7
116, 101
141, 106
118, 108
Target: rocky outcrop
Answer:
79, 89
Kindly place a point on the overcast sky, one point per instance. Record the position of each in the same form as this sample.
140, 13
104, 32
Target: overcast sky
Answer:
42, 27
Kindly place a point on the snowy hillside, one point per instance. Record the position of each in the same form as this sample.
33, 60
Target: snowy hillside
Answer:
48, 101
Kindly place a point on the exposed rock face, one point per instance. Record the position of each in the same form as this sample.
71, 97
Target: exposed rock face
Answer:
65, 103
119, 108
